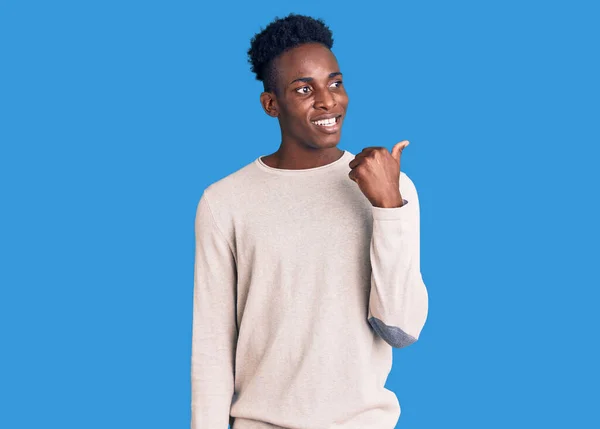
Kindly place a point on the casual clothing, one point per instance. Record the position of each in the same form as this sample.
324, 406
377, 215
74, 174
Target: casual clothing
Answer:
301, 289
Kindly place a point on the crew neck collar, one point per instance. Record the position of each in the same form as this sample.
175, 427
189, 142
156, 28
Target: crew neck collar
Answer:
302, 171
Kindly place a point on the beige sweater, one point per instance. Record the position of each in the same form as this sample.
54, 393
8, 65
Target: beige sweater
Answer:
301, 289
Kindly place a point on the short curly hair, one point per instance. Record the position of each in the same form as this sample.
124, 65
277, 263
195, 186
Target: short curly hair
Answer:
279, 36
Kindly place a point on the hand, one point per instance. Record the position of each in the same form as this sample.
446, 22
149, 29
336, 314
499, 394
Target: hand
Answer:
376, 171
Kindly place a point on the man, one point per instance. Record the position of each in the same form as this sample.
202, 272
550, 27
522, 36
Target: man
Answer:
307, 268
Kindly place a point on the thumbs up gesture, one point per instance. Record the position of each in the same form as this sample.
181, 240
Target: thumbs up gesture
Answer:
376, 171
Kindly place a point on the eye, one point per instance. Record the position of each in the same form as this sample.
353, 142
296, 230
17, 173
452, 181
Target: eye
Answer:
339, 82
300, 90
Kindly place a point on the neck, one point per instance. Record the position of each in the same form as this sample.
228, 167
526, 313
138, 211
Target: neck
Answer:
301, 157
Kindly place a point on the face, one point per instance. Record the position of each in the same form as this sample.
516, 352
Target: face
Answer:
310, 101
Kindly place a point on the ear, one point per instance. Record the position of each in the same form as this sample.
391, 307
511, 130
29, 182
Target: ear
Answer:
269, 104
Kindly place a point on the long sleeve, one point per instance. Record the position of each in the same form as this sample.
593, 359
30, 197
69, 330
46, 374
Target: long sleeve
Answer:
398, 300
214, 331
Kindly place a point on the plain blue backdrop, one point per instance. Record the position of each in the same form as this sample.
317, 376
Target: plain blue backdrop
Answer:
115, 115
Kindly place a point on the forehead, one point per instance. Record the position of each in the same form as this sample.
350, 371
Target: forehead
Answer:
308, 60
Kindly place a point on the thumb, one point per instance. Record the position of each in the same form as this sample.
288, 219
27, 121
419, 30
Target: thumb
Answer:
398, 148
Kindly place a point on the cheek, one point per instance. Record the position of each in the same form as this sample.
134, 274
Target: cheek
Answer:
343, 100
301, 116
297, 122
302, 124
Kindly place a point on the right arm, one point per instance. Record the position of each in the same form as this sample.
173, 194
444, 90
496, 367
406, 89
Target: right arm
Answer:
214, 329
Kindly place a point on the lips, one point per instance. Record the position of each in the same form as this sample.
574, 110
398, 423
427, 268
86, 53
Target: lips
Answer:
327, 116
326, 128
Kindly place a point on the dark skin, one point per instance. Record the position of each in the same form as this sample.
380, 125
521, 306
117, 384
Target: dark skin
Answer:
309, 87
295, 104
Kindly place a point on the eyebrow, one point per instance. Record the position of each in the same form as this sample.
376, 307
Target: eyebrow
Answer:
308, 79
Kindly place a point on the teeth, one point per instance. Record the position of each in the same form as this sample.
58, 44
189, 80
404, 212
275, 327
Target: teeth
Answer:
326, 122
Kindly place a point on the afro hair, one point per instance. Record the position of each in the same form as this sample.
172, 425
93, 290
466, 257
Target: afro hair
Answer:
279, 36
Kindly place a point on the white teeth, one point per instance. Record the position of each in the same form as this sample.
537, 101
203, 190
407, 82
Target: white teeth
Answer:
326, 122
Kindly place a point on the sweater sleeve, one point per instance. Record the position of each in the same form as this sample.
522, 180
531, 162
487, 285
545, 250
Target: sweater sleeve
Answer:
214, 328
398, 300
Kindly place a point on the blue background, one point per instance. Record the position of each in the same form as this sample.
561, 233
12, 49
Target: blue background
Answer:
115, 115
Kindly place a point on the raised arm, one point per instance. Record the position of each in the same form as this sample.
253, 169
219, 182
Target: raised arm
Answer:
398, 301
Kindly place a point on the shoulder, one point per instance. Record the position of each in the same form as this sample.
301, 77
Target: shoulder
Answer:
228, 189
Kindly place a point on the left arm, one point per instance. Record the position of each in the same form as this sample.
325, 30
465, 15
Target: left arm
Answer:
398, 300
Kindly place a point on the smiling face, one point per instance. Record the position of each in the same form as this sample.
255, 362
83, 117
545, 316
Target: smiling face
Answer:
310, 101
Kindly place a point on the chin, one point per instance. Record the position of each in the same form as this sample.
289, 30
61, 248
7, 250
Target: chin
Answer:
330, 142
320, 144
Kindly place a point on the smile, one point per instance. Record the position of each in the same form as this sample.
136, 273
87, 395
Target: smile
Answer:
327, 122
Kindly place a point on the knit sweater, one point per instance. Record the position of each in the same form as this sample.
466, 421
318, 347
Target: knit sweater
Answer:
301, 289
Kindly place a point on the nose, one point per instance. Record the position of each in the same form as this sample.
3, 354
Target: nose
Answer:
324, 99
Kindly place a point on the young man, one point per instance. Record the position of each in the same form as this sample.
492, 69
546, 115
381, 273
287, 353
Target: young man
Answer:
307, 268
